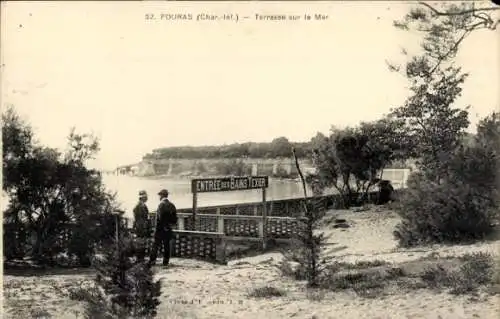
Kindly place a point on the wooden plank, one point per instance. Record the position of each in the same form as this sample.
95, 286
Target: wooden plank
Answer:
230, 183
237, 238
249, 217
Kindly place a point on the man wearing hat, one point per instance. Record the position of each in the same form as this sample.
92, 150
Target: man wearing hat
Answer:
142, 227
166, 218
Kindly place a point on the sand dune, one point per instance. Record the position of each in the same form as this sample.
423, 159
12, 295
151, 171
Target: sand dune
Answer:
194, 289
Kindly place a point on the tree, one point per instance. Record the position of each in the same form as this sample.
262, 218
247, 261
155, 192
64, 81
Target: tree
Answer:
436, 82
280, 147
434, 79
430, 118
445, 27
121, 288
53, 197
350, 160
462, 206
127, 289
453, 197
308, 242
488, 132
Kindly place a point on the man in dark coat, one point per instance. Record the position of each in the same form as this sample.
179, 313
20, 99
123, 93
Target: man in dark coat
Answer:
142, 227
166, 218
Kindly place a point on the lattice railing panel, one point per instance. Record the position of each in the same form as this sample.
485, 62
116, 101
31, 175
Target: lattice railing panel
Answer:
279, 208
205, 223
187, 246
188, 223
206, 210
241, 227
246, 210
295, 208
228, 210
281, 228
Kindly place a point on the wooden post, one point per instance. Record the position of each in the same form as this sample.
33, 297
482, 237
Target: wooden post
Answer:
220, 250
181, 226
264, 219
220, 221
195, 206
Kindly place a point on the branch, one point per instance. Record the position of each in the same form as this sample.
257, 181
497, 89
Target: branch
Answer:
300, 173
454, 48
439, 13
301, 178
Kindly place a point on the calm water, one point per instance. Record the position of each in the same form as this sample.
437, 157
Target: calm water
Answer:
128, 187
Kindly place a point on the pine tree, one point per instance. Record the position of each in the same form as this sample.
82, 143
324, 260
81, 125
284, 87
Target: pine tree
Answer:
122, 289
308, 242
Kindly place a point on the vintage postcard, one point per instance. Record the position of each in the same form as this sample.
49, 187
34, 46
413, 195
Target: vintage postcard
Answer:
246, 159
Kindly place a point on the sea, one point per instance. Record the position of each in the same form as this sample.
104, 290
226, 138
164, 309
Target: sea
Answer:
127, 192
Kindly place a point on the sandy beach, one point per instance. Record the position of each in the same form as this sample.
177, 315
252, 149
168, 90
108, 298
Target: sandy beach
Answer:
195, 289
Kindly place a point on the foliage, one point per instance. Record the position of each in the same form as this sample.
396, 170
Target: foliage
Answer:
488, 133
454, 197
308, 242
451, 212
429, 116
446, 26
278, 147
462, 206
53, 198
123, 289
434, 79
266, 292
350, 160
475, 270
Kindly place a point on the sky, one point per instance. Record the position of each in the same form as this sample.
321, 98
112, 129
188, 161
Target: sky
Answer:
139, 85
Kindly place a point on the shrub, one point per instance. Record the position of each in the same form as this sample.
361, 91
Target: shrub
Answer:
122, 289
475, 270
266, 292
436, 213
457, 208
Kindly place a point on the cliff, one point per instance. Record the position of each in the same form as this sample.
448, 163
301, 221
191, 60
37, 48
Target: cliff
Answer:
207, 167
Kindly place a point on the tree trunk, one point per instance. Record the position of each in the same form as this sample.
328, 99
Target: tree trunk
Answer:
37, 248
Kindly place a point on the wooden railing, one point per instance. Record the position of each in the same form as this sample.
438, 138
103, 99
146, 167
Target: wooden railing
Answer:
206, 237
240, 227
292, 207
207, 246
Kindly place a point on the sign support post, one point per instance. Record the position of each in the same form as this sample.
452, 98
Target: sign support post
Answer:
264, 219
232, 183
195, 207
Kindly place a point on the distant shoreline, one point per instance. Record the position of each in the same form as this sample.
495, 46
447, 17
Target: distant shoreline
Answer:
186, 177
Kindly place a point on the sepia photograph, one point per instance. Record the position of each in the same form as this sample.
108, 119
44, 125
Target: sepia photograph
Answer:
250, 159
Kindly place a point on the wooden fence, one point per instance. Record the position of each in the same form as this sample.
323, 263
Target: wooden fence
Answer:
208, 246
214, 226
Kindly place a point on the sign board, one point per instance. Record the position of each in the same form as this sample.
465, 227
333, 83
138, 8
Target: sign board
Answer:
207, 185
233, 183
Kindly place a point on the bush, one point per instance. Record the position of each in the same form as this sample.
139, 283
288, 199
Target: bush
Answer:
475, 270
438, 213
459, 207
266, 292
122, 289
58, 207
